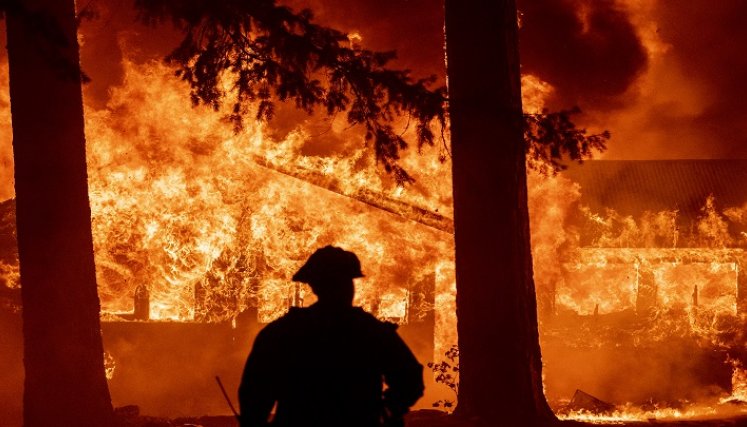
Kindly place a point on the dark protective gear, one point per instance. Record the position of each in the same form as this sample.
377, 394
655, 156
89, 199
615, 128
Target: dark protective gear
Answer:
324, 367
327, 263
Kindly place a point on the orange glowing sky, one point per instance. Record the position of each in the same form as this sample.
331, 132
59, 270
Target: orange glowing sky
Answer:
665, 77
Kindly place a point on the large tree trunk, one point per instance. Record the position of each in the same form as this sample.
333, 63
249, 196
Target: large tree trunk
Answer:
500, 375
65, 383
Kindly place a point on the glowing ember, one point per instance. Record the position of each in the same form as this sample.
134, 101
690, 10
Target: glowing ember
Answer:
738, 383
109, 365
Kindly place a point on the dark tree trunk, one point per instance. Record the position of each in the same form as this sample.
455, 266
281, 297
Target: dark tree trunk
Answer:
500, 376
65, 383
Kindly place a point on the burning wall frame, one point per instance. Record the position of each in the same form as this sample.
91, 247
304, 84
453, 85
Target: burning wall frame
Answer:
646, 269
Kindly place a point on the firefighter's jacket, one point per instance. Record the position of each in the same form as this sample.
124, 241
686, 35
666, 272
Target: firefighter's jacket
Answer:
326, 368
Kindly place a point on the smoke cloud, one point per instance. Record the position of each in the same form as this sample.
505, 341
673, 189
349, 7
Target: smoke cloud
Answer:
692, 101
667, 80
588, 50
414, 28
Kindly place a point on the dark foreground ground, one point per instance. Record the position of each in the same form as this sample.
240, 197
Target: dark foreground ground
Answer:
425, 418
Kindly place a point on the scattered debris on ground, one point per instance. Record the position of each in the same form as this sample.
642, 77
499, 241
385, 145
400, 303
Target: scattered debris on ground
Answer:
584, 402
129, 417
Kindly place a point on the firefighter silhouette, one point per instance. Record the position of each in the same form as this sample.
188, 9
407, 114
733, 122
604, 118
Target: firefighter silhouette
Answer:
326, 365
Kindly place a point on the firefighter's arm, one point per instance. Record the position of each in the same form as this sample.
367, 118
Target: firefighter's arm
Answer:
257, 391
402, 374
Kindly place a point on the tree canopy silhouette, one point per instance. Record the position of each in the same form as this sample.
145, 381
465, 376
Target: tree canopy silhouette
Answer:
266, 52
269, 52
256, 52
552, 138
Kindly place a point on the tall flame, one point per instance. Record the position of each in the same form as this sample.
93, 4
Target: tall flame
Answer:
212, 222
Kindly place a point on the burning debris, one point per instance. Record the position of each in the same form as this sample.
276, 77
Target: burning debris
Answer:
584, 402
376, 200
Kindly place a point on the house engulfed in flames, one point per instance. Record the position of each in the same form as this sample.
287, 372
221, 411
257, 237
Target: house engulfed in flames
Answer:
662, 235
198, 229
631, 257
648, 297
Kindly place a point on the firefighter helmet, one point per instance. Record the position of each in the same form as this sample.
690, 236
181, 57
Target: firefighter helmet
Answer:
327, 263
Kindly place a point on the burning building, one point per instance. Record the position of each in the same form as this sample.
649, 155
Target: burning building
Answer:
647, 302
199, 229
627, 255
639, 265
659, 218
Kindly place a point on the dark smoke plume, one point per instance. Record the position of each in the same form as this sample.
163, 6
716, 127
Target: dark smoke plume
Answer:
588, 50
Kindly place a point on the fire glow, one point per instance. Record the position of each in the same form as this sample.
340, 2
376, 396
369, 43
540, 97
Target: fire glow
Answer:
180, 202
211, 222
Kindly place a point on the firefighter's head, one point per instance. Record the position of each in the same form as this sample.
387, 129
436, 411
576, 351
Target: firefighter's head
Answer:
330, 272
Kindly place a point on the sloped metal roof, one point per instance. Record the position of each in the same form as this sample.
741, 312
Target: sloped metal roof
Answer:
633, 186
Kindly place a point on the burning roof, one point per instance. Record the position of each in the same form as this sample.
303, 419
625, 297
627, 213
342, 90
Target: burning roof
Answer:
661, 203
632, 187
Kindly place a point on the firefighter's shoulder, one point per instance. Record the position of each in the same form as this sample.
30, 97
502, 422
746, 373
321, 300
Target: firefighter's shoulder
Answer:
288, 321
293, 316
373, 322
